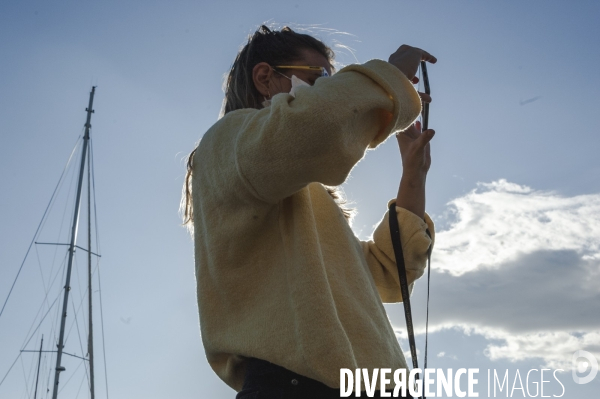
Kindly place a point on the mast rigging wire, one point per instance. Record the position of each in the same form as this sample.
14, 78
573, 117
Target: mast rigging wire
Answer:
58, 296
39, 311
25, 376
38, 229
79, 336
64, 384
98, 265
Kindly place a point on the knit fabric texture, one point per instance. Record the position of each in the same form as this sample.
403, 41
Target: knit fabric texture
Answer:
280, 274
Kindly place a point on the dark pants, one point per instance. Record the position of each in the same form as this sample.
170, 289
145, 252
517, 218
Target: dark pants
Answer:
266, 380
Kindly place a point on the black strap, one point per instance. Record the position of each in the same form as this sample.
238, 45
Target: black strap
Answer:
395, 234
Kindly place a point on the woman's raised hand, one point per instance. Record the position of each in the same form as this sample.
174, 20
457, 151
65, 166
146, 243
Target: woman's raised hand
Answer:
407, 60
416, 159
414, 144
414, 149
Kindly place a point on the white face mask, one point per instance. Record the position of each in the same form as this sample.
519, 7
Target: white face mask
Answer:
296, 82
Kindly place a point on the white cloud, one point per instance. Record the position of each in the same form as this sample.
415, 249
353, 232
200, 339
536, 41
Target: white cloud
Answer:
444, 354
521, 268
554, 347
502, 221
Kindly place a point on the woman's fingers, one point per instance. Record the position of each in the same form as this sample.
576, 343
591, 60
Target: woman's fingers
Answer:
412, 132
414, 137
426, 137
415, 148
425, 56
425, 97
408, 58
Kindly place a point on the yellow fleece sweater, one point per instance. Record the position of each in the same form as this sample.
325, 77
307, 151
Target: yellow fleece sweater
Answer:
280, 274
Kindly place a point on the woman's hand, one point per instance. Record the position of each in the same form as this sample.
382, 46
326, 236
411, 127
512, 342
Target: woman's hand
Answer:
414, 144
416, 160
415, 150
407, 60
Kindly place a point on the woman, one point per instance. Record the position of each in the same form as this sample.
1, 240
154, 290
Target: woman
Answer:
287, 294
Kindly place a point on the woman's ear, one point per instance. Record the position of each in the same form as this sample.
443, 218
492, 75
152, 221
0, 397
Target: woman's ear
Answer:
261, 75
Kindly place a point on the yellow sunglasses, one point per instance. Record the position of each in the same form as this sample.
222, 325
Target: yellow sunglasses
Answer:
320, 69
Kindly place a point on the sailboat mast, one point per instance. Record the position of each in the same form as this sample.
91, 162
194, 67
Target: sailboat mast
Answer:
90, 329
37, 379
67, 286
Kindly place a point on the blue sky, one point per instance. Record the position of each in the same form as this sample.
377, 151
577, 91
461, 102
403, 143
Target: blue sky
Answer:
514, 186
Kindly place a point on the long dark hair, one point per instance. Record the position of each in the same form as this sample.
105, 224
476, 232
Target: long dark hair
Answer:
275, 48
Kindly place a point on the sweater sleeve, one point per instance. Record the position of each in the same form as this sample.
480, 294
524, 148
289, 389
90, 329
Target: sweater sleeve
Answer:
379, 252
322, 132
